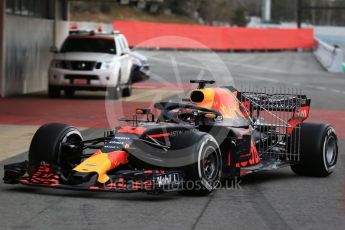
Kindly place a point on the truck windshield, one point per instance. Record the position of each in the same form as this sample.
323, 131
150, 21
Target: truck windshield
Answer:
89, 44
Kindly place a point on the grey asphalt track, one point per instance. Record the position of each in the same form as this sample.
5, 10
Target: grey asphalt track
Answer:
268, 200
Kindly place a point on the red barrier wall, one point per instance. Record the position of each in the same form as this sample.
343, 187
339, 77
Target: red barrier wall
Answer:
146, 34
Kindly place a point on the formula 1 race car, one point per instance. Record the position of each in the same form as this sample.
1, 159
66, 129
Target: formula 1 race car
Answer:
216, 133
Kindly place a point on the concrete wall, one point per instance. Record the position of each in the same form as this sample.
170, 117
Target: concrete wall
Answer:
2, 47
329, 56
61, 25
61, 32
27, 44
24, 47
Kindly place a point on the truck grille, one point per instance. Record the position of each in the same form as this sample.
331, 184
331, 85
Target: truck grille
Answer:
87, 77
78, 65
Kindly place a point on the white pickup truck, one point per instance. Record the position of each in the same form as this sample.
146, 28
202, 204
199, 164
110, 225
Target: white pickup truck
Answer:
92, 61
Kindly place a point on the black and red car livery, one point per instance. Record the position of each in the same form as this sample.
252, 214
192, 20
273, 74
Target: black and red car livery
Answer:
217, 133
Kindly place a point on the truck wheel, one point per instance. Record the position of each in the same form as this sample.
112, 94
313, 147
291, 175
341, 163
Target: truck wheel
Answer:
47, 146
318, 150
204, 176
53, 92
127, 92
69, 93
115, 92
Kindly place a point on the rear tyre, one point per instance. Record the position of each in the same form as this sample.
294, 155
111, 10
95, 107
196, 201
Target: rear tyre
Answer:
69, 93
203, 177
54, 92
318, 150
47, 146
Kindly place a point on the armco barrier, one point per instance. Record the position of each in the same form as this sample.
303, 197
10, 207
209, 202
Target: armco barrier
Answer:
215, 38
330, 57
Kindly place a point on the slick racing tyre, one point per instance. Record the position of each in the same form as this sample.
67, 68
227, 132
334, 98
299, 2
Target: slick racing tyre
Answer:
318, 150
204, 176
47, 146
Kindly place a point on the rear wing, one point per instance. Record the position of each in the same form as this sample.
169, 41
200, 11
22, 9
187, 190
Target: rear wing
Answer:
282, 102
276, 106
276, 113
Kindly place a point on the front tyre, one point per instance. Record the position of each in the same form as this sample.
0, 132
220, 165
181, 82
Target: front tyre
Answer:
203, 177
48, 146
318, 150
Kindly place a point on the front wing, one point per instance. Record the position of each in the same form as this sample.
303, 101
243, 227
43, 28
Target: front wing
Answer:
151, 181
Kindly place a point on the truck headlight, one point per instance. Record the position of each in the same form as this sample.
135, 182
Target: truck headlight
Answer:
106, 65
